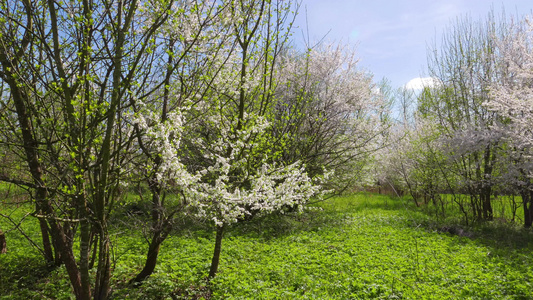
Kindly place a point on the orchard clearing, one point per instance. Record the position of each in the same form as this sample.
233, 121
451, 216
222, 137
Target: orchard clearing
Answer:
360, 246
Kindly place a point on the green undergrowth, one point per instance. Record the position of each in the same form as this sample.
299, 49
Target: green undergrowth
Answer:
360, 246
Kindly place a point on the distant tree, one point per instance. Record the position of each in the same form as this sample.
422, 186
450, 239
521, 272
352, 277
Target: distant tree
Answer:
511, 98
415, 161
466, 65
330, 115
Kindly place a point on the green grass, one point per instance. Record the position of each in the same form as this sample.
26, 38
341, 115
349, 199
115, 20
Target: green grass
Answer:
360, 246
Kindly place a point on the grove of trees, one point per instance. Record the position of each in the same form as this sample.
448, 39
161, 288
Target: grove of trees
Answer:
203, 104
207, 109
466, 139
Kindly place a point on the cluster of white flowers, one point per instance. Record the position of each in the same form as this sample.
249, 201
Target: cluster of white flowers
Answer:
231, 189
227, 189
162, 138
341, 102
408, 158
270, 189
512, 99
233, 177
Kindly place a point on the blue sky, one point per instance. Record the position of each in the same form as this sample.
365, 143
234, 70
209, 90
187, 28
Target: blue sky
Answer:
391, 36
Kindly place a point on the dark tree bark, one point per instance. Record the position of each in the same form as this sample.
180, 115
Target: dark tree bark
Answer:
3, 245
159, 233
216, 252
486, 190
151, 258
8, 72
161, 227
527, 197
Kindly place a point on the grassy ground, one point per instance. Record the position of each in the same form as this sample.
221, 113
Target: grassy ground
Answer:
354, 247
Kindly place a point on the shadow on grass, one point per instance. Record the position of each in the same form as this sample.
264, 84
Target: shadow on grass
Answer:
504, 237
501, 237
333, 212
19, 273
329, 213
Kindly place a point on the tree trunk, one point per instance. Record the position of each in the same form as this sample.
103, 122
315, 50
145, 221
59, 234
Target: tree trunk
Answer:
160, 226
486, 202
94, 243
157, 228
486, 186
151, 258
3, 246
47, 246
216, 253
103, 273
68, 258
528, 208
85, 250
59, 239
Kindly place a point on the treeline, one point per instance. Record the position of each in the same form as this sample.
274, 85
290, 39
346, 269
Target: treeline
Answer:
469, 135
202, 103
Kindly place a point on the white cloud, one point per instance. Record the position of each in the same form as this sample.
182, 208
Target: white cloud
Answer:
419, 83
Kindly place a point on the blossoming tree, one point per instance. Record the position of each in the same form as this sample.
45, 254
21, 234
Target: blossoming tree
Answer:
230, 141
213, 143
330, 115
512, 99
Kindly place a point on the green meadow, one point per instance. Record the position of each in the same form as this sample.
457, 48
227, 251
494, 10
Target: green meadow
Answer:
359, 246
